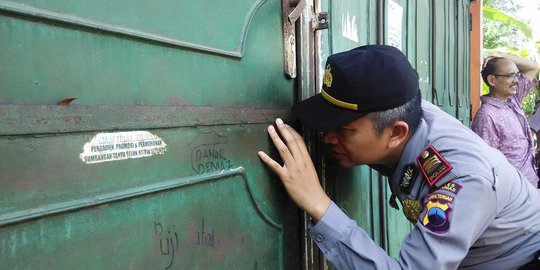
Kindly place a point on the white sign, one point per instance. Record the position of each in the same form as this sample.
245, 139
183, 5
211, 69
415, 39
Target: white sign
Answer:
122, 145
395, 16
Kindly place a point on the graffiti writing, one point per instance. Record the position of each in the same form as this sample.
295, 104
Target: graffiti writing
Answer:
168, 242
208, 158
205, 238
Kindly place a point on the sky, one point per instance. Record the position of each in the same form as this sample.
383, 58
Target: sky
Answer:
531, 11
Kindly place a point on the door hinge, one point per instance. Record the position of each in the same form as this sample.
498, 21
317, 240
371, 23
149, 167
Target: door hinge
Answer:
292, 10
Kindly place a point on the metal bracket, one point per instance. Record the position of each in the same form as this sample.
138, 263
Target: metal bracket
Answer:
322, 21
291, 11
299, 7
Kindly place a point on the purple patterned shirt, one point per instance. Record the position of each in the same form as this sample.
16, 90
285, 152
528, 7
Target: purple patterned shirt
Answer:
503, 125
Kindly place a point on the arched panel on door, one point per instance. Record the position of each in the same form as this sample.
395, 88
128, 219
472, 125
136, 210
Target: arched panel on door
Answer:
153, 165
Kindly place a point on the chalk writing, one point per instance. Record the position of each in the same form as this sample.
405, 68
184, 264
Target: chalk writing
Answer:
168, 242
209, 158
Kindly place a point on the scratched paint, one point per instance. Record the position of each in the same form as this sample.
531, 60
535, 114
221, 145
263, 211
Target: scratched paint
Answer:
122, 145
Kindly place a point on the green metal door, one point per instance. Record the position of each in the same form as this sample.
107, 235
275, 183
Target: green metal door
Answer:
129, 131
450, 52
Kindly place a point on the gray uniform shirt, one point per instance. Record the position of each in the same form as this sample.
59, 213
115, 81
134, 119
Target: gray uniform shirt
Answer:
471, 208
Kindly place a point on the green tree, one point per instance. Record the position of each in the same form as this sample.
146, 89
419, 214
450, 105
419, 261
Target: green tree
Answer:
500, 27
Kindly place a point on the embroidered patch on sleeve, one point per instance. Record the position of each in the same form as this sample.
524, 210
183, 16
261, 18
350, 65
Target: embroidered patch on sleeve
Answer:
411, 209
439, 196
432, 165
436, 218
451, 187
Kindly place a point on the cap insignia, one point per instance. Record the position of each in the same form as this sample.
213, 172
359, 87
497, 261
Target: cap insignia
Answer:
432, 165
327, 80
411, 209
409, 175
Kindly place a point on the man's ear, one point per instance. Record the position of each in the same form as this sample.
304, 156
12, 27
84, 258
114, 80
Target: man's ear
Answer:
491, 80
399, 134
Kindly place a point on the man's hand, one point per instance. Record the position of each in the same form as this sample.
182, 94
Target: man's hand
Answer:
297, 174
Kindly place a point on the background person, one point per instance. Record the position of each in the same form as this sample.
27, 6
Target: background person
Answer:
500, 121
534, 123
471, 208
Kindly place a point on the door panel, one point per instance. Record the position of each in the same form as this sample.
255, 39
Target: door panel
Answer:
450, 58
153, 165
125, 66
189, 223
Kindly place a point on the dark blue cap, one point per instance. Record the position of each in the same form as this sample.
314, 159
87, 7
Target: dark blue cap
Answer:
366, 79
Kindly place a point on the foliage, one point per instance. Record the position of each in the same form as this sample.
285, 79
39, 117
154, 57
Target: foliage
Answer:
500, 28
499, 16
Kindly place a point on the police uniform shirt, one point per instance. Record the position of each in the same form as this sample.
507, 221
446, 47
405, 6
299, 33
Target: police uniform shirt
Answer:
470, 207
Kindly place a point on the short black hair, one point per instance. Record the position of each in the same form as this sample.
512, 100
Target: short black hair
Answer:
410, 112
490, 67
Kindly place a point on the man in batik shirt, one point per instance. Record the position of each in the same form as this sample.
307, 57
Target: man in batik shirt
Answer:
500, 121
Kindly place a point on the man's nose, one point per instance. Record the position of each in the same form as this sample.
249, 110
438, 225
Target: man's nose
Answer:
330, 137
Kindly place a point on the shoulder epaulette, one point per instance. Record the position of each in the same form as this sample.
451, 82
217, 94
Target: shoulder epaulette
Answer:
432, 165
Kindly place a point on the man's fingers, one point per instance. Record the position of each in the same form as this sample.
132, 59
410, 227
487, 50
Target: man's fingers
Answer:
301, 144
270, 163
297, 143
288, 134
278, 143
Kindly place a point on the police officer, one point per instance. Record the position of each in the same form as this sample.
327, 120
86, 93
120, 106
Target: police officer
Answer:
470, 208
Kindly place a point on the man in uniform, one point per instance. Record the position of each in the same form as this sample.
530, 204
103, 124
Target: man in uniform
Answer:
470, 207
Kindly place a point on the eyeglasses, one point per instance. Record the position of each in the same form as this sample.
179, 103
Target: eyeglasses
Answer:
509, 76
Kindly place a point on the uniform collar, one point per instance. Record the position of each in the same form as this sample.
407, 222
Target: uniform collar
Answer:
417, 142
410, 152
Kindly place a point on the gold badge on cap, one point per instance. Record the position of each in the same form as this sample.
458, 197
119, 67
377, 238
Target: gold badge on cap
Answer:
432, 165
411, 209
327, 80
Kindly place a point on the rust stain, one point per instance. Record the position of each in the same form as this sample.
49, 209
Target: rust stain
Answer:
66, 101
